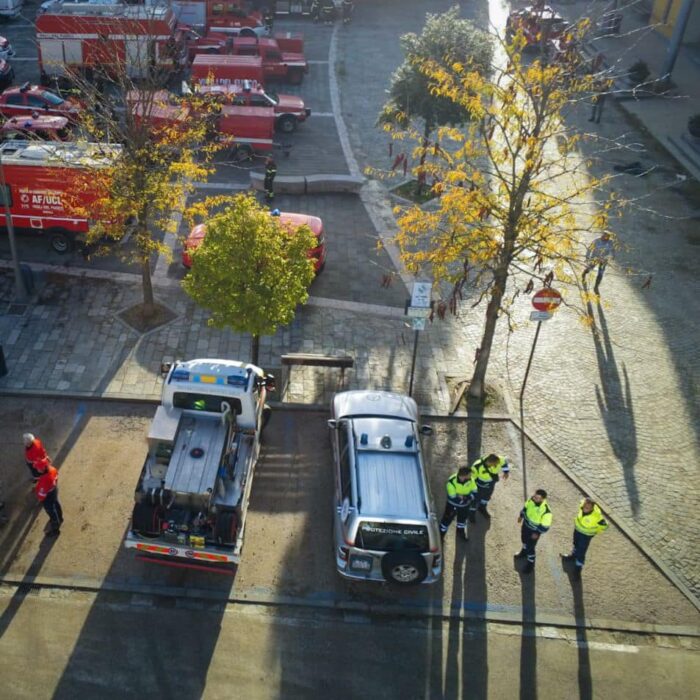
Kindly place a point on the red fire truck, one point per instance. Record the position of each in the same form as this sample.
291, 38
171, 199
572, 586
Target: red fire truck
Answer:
247, 131
38, 179
109, 39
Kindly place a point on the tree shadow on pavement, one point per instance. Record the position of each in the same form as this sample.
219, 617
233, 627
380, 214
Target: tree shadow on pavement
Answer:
615, 404
528, 639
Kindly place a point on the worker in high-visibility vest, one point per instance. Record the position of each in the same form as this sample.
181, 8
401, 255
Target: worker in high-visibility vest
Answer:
536, 519
487, 471
588, 523
461, 490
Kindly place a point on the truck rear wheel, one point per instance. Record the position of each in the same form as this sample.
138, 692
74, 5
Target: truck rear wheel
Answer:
242, 153
226, 529
61, 242
247, 31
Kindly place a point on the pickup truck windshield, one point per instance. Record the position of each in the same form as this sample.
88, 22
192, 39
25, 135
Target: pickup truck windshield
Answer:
390, 537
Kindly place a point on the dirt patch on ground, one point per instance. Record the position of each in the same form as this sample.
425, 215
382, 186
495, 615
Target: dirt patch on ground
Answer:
144, 319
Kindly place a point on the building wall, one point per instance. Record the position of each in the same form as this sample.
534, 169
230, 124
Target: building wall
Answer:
664, 14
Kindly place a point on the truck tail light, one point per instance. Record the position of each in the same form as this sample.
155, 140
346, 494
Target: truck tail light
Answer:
437, 559
343, 553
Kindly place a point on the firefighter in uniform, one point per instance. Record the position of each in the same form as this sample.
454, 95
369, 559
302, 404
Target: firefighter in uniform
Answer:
47, 493
588, 523
486, 471
35, 455
461, 490
270, 174
536, 519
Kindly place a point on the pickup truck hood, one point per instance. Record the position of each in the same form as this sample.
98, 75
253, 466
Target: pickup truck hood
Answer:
290, 103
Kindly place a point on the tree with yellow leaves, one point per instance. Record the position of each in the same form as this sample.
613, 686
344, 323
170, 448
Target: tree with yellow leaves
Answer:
514, 194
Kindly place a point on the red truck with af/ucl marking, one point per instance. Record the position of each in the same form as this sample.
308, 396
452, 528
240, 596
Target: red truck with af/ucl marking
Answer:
39, 180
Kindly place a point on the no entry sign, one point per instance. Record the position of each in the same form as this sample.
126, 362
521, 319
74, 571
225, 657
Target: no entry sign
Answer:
546, 299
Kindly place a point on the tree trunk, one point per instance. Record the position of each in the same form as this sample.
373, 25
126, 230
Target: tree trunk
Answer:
477, 387
255, 349
420, 182
148, 301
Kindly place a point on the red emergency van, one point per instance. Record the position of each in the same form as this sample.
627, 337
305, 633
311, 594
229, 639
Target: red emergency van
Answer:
40, 181
87, 39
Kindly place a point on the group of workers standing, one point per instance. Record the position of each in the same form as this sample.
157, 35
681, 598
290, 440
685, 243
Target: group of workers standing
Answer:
470, 489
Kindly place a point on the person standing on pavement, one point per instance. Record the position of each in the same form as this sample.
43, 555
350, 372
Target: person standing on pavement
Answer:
598, 101
347, 7
270, 174
461, 489
599, 253
536, 519
328, 11
588, 523
35, 455
47, 493
315, 10
486, 471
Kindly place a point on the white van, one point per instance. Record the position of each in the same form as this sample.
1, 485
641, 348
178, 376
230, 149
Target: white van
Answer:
10, 8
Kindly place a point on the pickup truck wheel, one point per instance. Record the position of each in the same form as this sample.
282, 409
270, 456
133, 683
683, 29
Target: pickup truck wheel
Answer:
247, 31
61, 242
295, 76
287, 124
404, 568
266, 415
226, 529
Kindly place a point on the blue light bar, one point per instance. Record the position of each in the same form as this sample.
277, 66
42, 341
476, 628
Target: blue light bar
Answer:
180, 375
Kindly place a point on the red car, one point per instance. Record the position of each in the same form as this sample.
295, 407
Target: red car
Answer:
291, 221
27, 99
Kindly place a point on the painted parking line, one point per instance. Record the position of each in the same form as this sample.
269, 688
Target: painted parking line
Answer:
318, 63
323, 114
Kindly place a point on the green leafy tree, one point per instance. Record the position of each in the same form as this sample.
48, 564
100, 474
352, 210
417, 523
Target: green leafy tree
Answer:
251, 271
447, 39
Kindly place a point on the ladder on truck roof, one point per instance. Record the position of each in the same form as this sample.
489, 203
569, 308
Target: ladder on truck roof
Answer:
20, 152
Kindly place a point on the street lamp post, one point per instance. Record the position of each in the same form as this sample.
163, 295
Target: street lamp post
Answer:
20, 288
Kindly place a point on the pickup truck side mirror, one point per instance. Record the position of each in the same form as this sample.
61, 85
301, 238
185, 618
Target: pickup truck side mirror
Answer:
165, 367
426, 430
332, 423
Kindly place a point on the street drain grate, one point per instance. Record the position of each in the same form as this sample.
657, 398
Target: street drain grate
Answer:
16, 309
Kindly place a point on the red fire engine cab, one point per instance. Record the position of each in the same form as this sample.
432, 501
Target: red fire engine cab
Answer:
88, 39
39, 182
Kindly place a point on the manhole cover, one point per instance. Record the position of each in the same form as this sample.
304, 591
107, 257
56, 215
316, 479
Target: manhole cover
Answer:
17, 309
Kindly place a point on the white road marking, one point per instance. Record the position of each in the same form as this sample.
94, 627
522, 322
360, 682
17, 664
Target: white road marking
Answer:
322, 114
318, 63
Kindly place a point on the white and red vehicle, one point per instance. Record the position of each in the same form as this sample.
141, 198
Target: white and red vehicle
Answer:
108, 40
288, 220
192, 497
212, 69
289, 109
40, 181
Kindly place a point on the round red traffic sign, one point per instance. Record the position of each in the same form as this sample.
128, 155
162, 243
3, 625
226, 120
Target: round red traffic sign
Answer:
546, 299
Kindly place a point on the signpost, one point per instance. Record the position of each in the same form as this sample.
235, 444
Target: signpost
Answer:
546, 301
418, 309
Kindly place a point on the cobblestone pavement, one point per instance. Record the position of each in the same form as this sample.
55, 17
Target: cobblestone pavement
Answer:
619, 409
